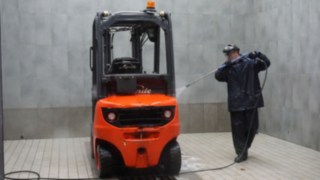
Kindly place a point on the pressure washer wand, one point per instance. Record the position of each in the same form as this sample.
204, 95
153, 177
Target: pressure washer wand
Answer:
234, 61
202, 77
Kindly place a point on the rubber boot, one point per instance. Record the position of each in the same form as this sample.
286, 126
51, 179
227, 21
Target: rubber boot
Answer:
241, 157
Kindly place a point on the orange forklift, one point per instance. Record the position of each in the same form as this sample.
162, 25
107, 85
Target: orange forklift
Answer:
134, 109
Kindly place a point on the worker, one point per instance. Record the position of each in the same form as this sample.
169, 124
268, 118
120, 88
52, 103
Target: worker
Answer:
240, 72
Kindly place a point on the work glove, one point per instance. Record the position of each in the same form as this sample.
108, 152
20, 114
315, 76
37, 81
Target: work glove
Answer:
225, 65
228, 63
254, 55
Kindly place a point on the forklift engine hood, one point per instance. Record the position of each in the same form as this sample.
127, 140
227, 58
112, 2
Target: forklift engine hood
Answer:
138, 100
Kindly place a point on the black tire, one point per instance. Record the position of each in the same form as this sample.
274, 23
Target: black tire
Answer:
105, 163
91, 143
171, 158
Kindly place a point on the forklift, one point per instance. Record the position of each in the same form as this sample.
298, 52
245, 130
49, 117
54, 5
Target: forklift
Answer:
135, 119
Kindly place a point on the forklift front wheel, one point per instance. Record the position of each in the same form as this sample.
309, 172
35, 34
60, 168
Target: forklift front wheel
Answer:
171, 158
104, 162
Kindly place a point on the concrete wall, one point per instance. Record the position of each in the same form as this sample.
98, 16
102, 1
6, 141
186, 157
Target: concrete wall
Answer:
288, 31
45, 67
45, 62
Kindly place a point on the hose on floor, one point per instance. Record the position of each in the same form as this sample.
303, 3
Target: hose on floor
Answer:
33, 173
37, 176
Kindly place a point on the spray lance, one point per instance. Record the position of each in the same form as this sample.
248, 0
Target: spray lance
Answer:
234, 61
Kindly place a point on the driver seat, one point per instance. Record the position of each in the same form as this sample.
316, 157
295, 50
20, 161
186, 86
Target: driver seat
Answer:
126, 65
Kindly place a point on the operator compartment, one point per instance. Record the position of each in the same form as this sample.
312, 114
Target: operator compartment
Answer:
126, 77
136, 59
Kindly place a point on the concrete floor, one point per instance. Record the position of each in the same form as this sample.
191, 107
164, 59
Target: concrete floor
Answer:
269, 158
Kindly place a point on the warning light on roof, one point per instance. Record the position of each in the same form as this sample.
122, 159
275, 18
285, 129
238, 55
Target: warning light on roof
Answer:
106, 13
151, 4
162, 13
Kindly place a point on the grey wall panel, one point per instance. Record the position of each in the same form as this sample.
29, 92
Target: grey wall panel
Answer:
286, 32
53, 38
46, 54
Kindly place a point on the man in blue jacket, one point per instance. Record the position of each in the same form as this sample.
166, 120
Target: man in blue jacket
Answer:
240, 72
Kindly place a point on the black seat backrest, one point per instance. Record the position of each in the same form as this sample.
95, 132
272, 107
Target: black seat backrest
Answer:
126, 65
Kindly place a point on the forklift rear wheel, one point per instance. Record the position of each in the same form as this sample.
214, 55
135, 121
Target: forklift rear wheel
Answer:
171, 159
104, 162
91, 144
91, 149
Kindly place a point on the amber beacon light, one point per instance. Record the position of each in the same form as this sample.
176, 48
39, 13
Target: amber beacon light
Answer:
151, 4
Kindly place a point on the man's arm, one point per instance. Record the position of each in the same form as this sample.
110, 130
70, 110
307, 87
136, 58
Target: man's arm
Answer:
262, 61
222, 73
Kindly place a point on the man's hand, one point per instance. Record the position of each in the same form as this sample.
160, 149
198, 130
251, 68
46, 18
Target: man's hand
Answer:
228, 63
254, 54
225, 65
